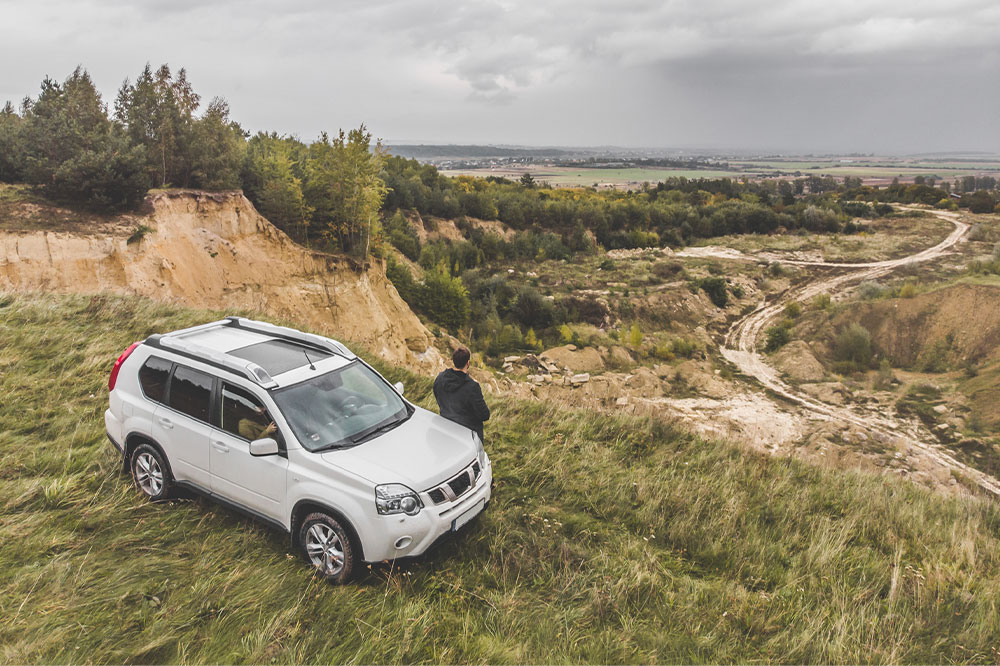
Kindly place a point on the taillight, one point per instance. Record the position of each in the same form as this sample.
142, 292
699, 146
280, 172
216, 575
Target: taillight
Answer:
118, 365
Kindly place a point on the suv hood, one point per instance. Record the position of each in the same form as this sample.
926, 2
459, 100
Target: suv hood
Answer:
421, 453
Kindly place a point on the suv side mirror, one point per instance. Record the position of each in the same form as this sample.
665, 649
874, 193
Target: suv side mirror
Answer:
399, 387
264, 447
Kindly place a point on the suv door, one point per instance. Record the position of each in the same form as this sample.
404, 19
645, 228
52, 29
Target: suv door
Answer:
182, 425
257, 483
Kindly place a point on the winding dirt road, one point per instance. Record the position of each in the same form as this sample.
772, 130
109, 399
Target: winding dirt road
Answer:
741, 350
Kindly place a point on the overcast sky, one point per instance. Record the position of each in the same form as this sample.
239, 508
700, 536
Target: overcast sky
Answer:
895, 76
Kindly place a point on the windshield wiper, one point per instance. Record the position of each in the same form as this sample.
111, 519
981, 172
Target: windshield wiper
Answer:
371, 433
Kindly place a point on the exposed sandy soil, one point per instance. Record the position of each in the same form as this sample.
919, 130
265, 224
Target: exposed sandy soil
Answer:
216, 251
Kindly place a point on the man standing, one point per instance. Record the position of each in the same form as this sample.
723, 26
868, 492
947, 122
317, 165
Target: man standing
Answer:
459, 396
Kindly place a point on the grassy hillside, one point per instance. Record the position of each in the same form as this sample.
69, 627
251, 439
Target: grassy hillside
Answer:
609, 540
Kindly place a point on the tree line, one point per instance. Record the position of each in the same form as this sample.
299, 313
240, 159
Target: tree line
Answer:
68, 143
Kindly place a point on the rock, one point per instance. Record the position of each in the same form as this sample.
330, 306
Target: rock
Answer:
537, 379
831, 392
665, 372
943, 427
699, 376
798, 362
941, 409
581, 378
568, 356
511, 359
619, 357
622, 402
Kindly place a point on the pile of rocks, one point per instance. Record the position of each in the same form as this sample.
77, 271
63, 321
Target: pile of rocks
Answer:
543, 370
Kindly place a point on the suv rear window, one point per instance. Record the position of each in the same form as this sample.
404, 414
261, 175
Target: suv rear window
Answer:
191, 392
153, 376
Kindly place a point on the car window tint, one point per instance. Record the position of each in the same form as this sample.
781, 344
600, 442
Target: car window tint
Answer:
153, 376
191, 392
242, 414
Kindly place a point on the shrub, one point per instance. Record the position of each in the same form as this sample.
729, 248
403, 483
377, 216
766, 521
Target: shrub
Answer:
776, 269
853, 346
715, 287
777, 337
666, 269
822, 301
402, 236
635, 337
444, 298
140, 232
793, 310
870, 290
533, 310
908, 290
683, 347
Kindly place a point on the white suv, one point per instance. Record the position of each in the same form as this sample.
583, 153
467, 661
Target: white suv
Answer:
294, 429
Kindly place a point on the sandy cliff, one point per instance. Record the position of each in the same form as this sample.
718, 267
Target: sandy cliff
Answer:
214, 250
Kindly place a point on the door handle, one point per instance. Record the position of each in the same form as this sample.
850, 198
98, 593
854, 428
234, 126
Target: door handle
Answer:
166, 423
220, 447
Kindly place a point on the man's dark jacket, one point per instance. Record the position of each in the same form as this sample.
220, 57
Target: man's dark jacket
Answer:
461, 400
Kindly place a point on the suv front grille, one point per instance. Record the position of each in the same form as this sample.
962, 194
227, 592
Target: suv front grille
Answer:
460, 484
457, 485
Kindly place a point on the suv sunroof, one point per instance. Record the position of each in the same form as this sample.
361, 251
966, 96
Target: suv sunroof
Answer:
278, 356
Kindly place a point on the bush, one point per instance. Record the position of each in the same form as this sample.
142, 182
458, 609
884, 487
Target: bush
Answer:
822, 301
777, 337
667, 269
715, 287
533, 310
683, 347
793, 310
444, 299
776, 269
635, 337
402, 236
853, 346
870, 290
908, 290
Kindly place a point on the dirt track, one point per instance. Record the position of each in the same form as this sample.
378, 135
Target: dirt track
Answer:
741, 349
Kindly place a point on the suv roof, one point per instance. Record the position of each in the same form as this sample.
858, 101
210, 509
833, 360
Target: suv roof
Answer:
262, 352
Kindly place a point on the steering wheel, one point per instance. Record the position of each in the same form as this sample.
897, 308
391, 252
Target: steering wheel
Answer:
351, 404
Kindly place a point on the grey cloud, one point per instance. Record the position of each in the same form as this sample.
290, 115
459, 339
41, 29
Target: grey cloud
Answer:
738, 73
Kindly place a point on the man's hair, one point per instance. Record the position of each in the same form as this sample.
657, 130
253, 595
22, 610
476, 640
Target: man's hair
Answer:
461, 357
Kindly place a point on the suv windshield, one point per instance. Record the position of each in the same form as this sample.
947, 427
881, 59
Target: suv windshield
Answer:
341, 408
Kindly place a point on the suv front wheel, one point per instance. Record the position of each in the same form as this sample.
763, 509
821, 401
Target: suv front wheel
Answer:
327, 547
150, 472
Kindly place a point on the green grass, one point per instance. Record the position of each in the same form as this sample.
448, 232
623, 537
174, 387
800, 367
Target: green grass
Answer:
610, 539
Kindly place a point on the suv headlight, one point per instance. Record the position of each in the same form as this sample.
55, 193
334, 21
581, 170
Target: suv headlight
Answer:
393, 498
480, 450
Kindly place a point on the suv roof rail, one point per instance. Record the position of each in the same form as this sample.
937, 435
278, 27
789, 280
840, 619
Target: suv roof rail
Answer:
285, 333
212, 357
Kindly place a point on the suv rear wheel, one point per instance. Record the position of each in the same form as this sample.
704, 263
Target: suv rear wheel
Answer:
327, 547
150, 472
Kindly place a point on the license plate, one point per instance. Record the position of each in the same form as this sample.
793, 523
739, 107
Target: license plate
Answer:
467, 515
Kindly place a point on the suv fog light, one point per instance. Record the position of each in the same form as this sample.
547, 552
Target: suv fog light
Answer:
403, 542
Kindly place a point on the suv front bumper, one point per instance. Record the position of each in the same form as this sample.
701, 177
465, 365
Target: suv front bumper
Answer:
409, 536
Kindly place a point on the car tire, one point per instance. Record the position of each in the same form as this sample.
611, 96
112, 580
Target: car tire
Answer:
327, 548
150, 472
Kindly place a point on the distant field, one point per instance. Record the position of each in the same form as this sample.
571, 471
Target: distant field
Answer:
875, 170
581, 177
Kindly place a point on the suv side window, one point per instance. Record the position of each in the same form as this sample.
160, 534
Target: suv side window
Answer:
191, 393
153, 377
243, 415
